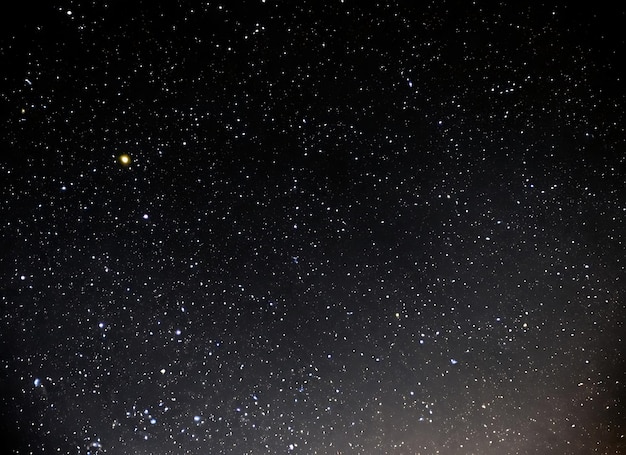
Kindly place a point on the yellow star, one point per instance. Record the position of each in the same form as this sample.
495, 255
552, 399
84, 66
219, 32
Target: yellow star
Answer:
124, 159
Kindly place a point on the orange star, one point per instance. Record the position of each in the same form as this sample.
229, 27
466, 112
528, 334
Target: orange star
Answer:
124, 159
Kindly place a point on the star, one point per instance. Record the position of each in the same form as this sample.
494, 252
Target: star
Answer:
124, 159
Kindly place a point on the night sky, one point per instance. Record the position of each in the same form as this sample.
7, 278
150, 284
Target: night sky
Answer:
271, 227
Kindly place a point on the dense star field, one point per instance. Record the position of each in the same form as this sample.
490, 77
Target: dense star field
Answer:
270, 227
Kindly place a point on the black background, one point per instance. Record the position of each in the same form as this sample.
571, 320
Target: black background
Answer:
347, 227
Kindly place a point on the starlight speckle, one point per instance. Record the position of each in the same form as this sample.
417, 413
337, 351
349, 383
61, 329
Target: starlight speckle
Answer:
313, 227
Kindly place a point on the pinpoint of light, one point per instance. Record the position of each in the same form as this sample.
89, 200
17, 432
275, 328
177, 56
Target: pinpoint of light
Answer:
124, 159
